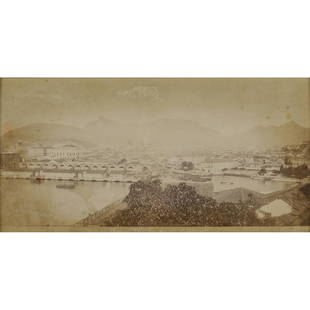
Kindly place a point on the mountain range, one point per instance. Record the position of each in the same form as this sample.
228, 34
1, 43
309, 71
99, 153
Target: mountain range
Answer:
170, 134
288, 133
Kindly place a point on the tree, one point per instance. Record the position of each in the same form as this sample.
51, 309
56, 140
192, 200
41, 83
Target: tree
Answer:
179, 205
287, 161
187, 165
301, 171
122, 161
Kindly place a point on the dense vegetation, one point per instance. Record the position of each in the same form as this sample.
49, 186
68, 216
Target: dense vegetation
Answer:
187, 165
179, 205
306, 190
300, 172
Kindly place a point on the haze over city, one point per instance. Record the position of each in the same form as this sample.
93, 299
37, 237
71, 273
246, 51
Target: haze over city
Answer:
155, 152
228, 106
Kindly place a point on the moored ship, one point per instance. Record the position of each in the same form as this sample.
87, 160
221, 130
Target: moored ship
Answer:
66, 186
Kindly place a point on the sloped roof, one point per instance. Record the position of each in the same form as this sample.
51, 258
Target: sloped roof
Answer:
235, 195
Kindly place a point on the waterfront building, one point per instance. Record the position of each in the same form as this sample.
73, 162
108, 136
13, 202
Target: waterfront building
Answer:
36, 152
67, 152
10, 160
58, 152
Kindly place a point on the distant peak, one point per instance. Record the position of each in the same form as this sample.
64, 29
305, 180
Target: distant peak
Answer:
291, 123
103, 119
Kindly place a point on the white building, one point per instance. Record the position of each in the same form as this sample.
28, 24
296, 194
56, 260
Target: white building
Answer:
37, 152
65, 152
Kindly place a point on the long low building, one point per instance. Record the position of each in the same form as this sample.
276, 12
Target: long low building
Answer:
66, 152
104, 168
10, 160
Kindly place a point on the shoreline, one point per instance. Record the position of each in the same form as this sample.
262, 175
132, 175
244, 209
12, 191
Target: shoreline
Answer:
62, 176
75, 176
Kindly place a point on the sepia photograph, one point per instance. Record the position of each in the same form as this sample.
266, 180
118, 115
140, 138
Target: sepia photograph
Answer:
155, 154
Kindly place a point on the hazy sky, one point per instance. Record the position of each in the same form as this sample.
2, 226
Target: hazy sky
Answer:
227, 105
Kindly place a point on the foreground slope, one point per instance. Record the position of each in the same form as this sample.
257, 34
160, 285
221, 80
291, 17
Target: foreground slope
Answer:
218, 213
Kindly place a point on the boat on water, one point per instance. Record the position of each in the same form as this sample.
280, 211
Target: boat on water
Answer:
66, 186
37, 180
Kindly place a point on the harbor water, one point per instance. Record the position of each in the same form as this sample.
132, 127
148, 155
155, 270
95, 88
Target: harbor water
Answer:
24, 202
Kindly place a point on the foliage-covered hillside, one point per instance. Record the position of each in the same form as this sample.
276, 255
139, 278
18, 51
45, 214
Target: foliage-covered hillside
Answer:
148, 204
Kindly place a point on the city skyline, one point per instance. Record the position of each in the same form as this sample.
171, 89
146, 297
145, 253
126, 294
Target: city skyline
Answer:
103, 154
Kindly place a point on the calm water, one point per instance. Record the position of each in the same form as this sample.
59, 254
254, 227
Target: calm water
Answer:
26, 203
227, 182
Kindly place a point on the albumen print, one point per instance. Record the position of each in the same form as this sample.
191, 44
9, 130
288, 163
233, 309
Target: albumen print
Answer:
155, 154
